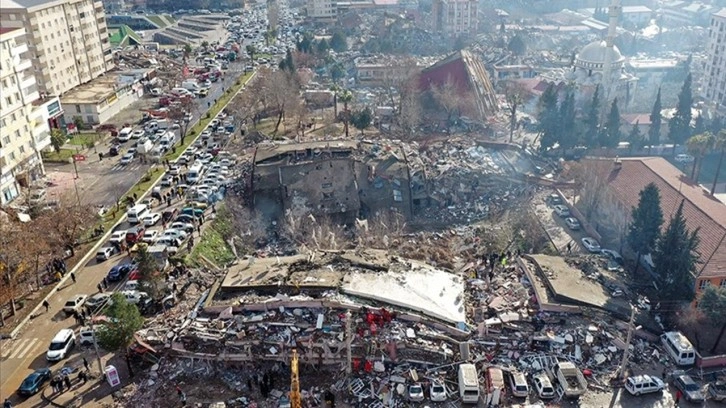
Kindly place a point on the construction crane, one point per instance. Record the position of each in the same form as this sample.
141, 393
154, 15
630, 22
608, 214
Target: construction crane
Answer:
295, 399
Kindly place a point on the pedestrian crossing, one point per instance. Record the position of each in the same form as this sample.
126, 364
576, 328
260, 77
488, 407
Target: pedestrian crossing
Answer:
19, 349
127, 167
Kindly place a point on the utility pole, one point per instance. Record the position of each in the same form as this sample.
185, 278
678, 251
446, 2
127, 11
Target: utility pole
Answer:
626, 352
349, 341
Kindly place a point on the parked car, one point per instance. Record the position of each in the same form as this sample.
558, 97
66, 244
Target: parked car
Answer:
34, 382
643, 384
97, 300
86, 336
151, 219
691, 391
126, 159
518, 384
591, 244
543, 385
135, 234
150, 236
117, 236
119, 271
562, 210
134, 296
168, 215
572, 223
74, 304
175, 233
717, 391
684, 158
554, 199
184, 226
437, 392
415, 393
104, 253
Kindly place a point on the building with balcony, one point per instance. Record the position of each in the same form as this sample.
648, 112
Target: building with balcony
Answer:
24, 116
455, 17
713, 85
67, 40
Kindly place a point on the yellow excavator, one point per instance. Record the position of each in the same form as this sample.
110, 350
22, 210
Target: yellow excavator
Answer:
295, 399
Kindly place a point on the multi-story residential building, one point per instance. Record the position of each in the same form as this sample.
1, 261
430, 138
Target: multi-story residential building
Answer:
455, 17
713, 86
322, 10
680, 13
24, 116
67, 40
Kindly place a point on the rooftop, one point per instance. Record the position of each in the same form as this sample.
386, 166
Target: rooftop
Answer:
365, 274
701, 210
27, 4
4, 30
102, 87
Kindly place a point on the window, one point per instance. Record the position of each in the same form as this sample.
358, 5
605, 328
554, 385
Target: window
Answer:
78, 108
703, 284
17, 134
12, 156
22, 149
6, 141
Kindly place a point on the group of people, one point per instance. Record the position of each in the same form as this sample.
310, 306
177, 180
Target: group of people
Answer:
56, 268
266, 382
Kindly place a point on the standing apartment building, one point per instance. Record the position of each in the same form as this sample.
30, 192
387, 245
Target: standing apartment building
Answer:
713, 86
455, 17
321, 10
24, 116
67, 40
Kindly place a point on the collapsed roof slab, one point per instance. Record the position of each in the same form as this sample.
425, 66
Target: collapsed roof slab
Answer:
432, 292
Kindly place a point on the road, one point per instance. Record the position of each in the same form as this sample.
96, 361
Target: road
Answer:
103, 182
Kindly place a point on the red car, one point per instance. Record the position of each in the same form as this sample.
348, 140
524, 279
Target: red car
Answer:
135, 234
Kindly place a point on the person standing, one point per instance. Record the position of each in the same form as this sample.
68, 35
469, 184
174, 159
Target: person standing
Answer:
679, 394
46, 305
73, 277
85, 363
67, 382
100, 288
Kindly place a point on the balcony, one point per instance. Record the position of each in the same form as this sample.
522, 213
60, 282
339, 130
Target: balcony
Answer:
19, 49
22, 64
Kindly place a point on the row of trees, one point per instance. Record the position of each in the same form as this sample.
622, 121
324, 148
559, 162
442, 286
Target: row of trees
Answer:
26, 247
675, 257
558, 124
700, 145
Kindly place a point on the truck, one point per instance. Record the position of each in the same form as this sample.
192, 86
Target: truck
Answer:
570, 379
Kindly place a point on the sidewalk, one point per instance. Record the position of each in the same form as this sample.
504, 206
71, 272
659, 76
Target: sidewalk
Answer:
95, 392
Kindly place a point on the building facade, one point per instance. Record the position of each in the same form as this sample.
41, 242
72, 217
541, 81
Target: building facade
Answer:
67, 40
713, 87
24, 117
321, 10
455, 17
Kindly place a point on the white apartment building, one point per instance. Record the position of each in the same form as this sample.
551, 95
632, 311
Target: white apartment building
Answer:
322, 10
24, 129
455, 17
67, 39
713, 85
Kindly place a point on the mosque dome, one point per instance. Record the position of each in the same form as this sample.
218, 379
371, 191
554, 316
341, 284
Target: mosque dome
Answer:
592, 56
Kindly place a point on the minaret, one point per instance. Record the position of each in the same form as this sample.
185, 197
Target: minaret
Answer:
613, 14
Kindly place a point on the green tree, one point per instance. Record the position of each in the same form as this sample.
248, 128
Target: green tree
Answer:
592, 120
675, 259
288, 64
679, 127
124, 320
305, 44
517, 46
251, 51
57, 139
151, 278
719, 145
323, 46
646, 221
716, 125
78, 121
337, 72
713, 304
346, 97
635, 137
338, 42
205, 44
548, 117
362, 119
568, 133
610, 135
655, 123
698, 146
700, 125
187, 51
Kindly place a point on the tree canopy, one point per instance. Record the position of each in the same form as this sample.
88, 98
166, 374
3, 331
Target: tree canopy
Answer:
679, 127
548, 117
647, 219
124, 320
675, 259
655, 121
610, 135
713, 304
339, 42
362, 119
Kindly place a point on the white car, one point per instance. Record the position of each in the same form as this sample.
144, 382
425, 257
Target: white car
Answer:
562, 211
131, 285
684, 158
118, 236
97, 300
572, 223
206, 134
134, 296
86, 336
126, 159
643, 384
74, 304
543, 385
591, 244
104, 253
182, 226
415, 393
174, 170
176, 233
138, 133
438, 392
150, 236
151, 219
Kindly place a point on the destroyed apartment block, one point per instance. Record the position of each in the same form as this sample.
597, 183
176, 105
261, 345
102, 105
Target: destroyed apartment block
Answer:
453, 180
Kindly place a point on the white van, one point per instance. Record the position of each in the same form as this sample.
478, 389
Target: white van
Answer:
643, 384
136, 213
124, 135
195, 173
679, 348
468, 384
61, 345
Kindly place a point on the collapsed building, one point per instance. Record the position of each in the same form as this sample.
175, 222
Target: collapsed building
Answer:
457, 179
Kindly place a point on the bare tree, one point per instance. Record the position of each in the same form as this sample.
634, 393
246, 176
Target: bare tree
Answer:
410, 110
283, 93
66, 224
178, 112
591, 177
12, 267
451, 99
515, 95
